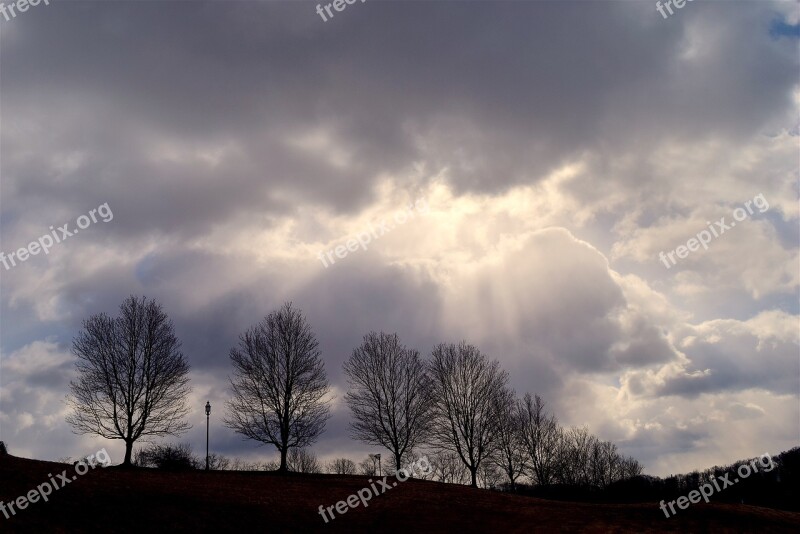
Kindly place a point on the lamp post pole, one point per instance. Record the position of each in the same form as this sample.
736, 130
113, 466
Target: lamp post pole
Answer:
208, 414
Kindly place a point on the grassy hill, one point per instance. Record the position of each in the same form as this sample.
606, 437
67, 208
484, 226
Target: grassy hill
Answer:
117, 500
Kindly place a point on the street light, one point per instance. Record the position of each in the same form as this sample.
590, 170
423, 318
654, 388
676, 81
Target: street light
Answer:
208, 414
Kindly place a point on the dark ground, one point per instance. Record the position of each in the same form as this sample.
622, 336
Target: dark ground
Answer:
140, 500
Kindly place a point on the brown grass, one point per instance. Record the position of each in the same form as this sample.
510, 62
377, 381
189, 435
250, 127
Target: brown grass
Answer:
117, 500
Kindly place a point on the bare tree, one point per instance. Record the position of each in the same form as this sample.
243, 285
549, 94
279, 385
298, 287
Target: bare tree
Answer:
279, 387
342, 466
509, 456
540, 437
413, 463
303, 461
580, 460
585, 460
580, 443
218, 462
388, 395
608, 466
629, 468
132, 377
448, 468
572, 456
369, 466
465, 389
490, 476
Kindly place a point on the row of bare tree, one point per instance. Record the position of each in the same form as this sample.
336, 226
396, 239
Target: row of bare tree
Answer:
459, 405
133, 380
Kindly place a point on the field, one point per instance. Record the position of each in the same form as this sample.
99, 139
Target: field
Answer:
118, 500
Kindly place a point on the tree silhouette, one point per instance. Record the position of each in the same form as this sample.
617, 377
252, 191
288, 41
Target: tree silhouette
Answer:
279, 384
466, 388
303, 461
132, 377
540, 437
509, 456
388, 395
342, 466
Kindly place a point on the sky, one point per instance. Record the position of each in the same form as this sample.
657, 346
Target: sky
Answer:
534, 177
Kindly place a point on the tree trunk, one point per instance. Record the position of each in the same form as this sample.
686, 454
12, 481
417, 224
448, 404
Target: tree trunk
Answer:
128, 453
283, 468
473, 473
510, 473
397, 462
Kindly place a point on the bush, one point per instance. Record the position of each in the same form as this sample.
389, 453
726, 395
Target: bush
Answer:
3, 450
168, 458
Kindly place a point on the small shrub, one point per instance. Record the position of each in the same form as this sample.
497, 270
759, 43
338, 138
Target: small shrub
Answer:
168, 458
3, 450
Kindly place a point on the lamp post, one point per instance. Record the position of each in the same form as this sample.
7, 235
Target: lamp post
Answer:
208, 414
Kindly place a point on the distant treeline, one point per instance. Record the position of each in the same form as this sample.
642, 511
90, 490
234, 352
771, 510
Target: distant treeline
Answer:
778, 488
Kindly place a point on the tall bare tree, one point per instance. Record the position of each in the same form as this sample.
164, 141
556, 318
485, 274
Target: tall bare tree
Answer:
279, 384
509, 455
541, 436
466, 386
132, 377
388, 395
579, 444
